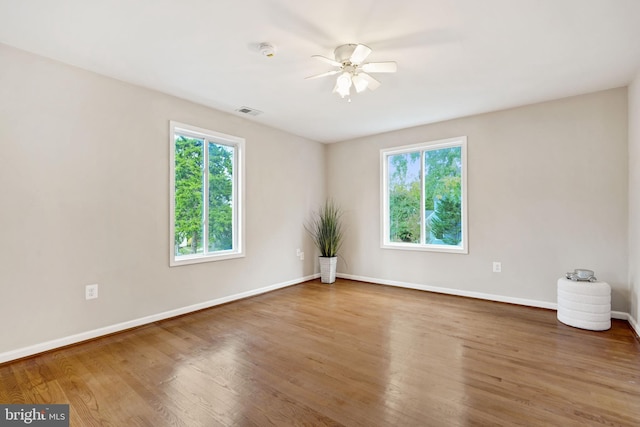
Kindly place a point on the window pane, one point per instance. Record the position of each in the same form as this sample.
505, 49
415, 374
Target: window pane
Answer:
404, 197
443, 196
189, 184
220, 197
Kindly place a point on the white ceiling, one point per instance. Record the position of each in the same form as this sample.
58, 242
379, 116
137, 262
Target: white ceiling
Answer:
455, 57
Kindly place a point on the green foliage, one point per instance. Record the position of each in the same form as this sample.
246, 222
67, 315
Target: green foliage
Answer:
404, 215
220, 197
448, 186
189, 196
325, 228
404, 199
189, 159
446, 223
443, 194
400, 164
438, 166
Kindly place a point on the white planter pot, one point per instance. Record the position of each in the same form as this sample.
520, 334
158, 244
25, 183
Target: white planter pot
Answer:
328, 269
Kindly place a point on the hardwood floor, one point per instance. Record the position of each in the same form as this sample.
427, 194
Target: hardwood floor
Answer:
352, 354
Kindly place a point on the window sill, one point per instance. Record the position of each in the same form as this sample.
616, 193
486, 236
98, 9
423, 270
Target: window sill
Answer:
425, 248
197, 259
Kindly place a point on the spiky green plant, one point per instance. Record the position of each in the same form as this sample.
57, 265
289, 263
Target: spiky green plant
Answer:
325, 228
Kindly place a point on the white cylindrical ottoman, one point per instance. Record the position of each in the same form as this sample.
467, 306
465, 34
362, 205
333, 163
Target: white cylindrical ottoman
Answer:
585, 305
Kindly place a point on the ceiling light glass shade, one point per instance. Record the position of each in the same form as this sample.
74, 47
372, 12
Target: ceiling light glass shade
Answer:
359, 83
343, 84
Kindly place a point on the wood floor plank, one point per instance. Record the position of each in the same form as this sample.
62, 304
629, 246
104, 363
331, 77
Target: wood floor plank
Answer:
348, 354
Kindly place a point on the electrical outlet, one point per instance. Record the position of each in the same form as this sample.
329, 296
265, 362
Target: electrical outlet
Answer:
298, 252
301, 256
91, 291
497, 267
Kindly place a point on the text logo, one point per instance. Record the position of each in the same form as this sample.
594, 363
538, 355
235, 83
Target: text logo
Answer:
34, 415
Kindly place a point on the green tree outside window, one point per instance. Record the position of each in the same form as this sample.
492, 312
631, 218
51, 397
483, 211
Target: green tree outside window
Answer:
425, 190
190, 202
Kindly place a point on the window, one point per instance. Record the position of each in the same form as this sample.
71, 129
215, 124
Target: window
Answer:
424, 195
206, 184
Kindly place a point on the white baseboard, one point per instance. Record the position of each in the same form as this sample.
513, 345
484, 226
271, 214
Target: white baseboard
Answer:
96, 333
457, 292
480, 295
621, 315
634, 324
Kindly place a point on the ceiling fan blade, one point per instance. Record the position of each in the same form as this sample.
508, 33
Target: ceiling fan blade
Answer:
372, 83
380, 67
359, 54
327, 60
328, 73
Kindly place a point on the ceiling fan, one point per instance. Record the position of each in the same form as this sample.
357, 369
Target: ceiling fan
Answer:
352, 70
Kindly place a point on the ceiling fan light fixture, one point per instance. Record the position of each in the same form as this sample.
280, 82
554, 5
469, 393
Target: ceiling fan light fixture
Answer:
343, 92
343, 84
359, 83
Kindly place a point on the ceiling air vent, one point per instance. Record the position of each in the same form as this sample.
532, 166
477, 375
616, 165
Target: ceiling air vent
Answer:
249, 111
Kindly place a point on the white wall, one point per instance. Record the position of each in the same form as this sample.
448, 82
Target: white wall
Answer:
634, 200
547, 194
85, 199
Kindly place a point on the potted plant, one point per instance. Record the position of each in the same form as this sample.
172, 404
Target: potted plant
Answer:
326, 231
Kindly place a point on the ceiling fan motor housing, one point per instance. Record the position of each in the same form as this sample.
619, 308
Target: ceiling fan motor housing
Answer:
343, 53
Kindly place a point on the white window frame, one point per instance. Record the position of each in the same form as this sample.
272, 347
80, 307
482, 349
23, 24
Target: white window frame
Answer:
386, 243
238, 192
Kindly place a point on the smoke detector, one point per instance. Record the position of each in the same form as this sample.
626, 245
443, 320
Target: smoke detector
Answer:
267, 49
